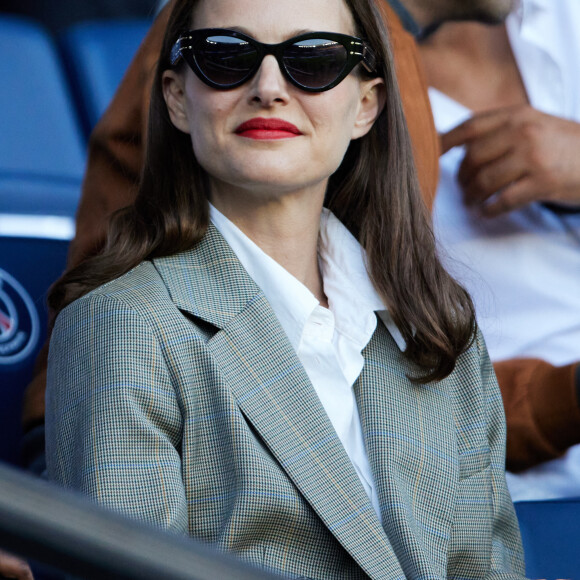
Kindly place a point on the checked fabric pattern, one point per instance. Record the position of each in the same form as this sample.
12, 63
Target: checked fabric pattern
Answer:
174, 396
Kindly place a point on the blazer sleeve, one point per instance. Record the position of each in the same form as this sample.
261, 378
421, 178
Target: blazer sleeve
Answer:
507, 559
113, 422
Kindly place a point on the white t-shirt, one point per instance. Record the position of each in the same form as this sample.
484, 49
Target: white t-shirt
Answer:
523, 269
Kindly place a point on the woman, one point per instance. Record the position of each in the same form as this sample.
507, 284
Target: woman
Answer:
221, 370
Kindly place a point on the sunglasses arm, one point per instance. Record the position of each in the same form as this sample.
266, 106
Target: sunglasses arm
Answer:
369, 60
175, 56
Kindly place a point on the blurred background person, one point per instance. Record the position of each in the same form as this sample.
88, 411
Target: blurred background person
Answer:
507, 215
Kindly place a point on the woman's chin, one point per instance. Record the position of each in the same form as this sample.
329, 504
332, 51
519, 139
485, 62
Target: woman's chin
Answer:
268, 186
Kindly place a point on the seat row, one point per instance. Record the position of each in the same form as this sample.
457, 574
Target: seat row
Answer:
52, 93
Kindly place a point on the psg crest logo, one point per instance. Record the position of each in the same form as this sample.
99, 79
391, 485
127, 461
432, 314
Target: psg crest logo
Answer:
19, 324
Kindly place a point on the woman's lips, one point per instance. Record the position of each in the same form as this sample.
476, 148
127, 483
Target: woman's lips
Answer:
261, 128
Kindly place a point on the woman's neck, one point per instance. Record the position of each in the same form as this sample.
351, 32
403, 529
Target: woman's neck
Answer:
285, 227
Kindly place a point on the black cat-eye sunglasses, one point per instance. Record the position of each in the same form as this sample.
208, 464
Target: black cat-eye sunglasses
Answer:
314, 62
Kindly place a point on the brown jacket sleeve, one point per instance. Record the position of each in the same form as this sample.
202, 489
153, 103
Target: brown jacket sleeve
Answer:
541, 406
542, 410
413, 88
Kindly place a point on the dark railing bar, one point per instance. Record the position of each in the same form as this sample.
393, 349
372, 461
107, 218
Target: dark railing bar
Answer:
60, 528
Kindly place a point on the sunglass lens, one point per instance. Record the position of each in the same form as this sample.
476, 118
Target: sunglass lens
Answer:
225, 60
315, 63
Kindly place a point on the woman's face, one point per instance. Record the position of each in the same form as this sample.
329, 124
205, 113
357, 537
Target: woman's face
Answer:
260, 164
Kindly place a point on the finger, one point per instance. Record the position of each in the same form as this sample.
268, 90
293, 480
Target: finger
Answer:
17, 571
493, 177
513, 197
472, 128
483, 150
13, 567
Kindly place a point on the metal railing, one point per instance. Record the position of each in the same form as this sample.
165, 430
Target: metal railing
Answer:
65, 530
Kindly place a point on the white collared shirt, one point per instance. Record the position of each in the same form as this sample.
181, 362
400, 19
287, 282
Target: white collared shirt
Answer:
328, 341
523, 268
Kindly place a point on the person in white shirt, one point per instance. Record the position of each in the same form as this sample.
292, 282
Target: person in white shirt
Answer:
506, 100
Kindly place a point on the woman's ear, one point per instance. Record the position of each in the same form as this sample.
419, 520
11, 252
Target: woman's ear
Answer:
174, 94
372, 100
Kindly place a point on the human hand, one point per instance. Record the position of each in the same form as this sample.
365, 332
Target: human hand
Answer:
13, 567
517, 155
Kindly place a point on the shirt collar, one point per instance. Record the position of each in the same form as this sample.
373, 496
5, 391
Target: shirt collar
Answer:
345, 278
527, 9
346, 281
291, 301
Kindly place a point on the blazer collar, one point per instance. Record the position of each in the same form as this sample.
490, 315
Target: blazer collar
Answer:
274, 393
208, 281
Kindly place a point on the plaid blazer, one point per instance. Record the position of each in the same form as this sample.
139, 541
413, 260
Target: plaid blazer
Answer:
175, 397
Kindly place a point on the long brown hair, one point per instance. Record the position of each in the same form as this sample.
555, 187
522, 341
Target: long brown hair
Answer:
374, 192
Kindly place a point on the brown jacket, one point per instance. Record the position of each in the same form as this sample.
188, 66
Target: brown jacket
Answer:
540, 401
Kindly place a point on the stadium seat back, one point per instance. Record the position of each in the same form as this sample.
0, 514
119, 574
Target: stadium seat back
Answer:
97, 55
551, 537
42, 157
28, 266
41, 133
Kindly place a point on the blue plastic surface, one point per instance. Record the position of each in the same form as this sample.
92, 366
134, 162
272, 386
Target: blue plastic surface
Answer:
38, 195
551, 537
97, 55
39, 128
27, 268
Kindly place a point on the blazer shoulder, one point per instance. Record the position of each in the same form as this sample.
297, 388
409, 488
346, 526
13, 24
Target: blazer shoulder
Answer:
140, 292
130, 288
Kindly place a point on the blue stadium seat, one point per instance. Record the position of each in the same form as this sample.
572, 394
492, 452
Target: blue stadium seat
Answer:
42, 148
97, 55
42, 141
551, 537
42, 157
28, 265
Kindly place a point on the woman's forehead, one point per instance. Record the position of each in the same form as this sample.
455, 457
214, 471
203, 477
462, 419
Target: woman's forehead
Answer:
274, 20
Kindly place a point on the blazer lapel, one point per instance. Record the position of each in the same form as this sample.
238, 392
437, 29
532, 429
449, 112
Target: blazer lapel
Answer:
276, 396
416, 481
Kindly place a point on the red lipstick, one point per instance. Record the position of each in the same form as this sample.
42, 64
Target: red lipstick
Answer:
262, 128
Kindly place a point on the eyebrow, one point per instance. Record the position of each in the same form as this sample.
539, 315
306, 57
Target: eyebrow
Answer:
247, 32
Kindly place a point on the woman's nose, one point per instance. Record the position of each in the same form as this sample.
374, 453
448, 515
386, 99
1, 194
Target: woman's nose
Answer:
269, 85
